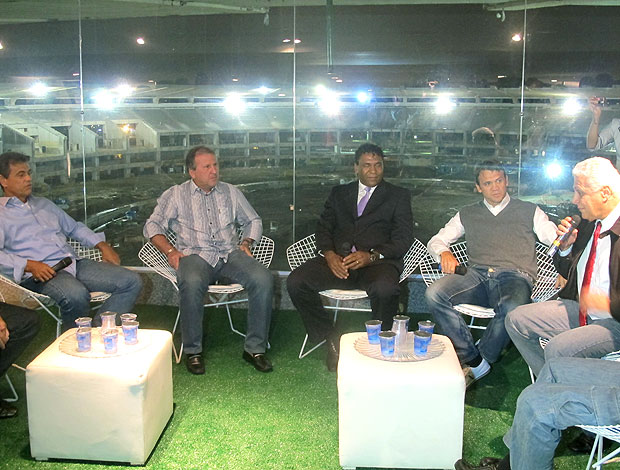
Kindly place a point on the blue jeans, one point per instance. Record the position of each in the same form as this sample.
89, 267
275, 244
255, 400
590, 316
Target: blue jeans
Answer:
72, 294
501, 289
558, 320
194, 276
569, 391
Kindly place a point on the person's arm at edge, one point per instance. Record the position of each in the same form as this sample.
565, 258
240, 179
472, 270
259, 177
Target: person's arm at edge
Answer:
545, 230
451, 232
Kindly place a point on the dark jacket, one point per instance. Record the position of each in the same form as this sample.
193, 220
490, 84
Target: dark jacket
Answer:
386, 224
567, 266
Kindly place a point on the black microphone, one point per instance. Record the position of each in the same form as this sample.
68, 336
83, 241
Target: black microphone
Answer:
62, 264
459, 269
576, 220
345, 249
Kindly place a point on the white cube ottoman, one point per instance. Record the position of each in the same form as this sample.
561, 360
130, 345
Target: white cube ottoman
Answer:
399, 414
100, 408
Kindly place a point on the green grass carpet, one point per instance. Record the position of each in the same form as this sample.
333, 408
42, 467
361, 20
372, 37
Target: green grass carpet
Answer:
234, 417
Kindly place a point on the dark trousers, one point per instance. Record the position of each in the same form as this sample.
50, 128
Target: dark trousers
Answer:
23, 325
379, 280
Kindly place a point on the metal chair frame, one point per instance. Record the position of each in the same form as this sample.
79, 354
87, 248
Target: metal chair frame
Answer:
156, 260
305, 249
544, 287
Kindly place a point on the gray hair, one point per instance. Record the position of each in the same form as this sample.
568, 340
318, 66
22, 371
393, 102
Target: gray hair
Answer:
597, 172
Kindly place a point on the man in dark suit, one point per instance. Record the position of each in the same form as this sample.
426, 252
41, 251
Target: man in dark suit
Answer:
362, 235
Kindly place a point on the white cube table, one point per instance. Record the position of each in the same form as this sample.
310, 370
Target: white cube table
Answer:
100, 408
399, 414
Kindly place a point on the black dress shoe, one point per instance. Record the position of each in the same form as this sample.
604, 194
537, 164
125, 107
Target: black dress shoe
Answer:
195, 364
489, 461
333, 354
462, 465
259, 361
583, 444
7, 410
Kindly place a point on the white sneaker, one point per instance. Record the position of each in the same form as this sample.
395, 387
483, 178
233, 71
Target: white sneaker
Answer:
473, 374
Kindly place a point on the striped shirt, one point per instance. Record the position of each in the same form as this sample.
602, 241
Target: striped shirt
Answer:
205, 223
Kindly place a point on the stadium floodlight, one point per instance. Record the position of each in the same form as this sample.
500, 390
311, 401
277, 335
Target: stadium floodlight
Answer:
571, 107
234, 104
553, 170
363, 97
444, 104
38, 89
123, 90
105, 99
330, 103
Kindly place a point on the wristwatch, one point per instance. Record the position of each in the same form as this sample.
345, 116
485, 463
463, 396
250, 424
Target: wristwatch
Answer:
374, 255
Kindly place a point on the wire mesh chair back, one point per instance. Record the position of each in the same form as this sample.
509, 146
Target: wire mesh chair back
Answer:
301, 251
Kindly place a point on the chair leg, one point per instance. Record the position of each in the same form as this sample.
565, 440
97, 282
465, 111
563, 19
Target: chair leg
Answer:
14, 394
601, 461
230, 322
303, 354
177, 357
531, 374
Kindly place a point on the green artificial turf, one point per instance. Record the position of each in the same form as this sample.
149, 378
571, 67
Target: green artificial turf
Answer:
234, 417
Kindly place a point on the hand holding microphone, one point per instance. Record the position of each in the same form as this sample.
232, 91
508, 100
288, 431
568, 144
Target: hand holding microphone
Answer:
62, 264
574, 222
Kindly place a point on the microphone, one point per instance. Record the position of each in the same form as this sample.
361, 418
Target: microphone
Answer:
576, 220
62, 264
459, 269
345, 249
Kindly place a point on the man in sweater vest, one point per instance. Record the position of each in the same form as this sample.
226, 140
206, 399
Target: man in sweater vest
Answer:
501, 235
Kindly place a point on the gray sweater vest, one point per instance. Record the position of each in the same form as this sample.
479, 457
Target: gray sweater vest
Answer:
506, 240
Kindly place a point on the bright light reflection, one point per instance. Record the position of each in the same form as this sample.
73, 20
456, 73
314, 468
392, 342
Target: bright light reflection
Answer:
444, 105
140, 41
553, 170
263, 90
124, 90
330, 103
320, 89
571, 107
104, 99
516, 37
1, 46
233, 104
38, 89
297, 41
363, 97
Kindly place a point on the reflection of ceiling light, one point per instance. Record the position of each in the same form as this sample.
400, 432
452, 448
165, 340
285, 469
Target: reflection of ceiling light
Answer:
339, 80
553, 170
140, 41
516, 37
334, 77
38, 89
235, 79
287, 40
263, 90
501, 76
330, 103
363, 97
571, 107
444, 105
76, 74
297, 41
234, 104
281, 94
1, 46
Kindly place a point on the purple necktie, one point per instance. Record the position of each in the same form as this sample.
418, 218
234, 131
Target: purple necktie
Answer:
362, 204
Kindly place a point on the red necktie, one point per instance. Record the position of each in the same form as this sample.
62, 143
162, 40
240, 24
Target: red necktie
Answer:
587, 275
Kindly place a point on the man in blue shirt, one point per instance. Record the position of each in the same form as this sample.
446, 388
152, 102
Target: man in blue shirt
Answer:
33, 238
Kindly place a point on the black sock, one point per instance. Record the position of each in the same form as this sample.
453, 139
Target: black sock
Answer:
475, 362
504, 464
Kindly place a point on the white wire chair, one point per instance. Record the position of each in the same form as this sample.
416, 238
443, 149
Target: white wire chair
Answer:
305, 249
544, 288
155, 259
13, 293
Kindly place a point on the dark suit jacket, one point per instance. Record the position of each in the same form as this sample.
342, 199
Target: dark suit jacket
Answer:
386, 224
567, 265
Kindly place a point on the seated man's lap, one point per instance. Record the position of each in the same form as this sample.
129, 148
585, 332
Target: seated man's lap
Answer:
592, 341
106, 277
460, 289
245, 270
